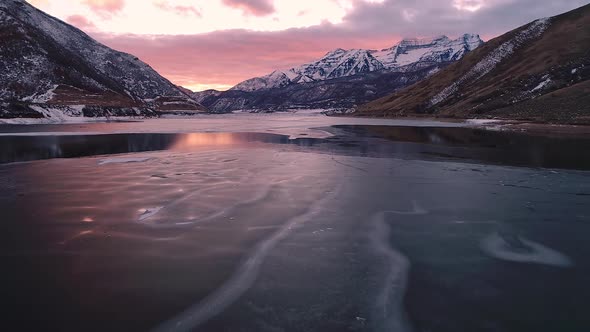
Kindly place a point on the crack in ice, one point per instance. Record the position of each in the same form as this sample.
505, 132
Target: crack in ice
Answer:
242, 279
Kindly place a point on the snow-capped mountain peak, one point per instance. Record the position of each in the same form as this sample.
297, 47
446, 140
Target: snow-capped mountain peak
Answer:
337, 63
410, 51
422, 42
335, 52
341, 63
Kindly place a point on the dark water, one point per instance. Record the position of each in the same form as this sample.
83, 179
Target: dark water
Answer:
259, 232
426, 143
485, 146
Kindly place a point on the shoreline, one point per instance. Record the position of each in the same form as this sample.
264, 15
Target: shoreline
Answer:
544, 129
519, 126
523, 126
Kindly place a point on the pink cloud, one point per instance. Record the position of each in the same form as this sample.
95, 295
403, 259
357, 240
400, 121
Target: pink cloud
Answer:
105, 8
81, 22
181, 10
252, 7
229, 57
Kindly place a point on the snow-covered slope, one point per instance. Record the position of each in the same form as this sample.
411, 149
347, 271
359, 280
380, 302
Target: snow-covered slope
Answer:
335, 64
539, 71
490, 61
44, 60
342, 63
439, 49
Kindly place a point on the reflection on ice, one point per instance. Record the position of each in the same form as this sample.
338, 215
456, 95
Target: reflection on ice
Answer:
188, 141
26, 148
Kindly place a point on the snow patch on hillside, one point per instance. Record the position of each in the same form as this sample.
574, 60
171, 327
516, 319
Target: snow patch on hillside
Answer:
542, 85
64, 114
490, 61
42, 98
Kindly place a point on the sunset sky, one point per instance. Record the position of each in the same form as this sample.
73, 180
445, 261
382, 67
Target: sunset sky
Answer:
202, 44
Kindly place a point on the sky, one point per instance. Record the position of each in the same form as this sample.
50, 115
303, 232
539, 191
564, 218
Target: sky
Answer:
215, 44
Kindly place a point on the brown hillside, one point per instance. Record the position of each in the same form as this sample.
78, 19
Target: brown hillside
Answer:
560, 56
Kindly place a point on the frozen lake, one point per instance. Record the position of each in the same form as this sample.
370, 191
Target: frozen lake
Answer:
293, 222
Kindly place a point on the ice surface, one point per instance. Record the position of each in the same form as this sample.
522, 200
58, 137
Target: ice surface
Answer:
496, 246
285, 123
388, 312
123, 160
148, 212
244, 276
233, 233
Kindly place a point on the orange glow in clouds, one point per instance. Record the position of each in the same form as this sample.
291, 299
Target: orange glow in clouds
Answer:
173, 17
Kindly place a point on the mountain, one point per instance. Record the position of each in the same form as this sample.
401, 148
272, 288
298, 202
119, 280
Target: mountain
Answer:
203, 96
424, 51
335, 64
342, 63
48, 64
316, 84
539, 71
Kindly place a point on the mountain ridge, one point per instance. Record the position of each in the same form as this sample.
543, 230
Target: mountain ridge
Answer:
341, 63
315, 84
